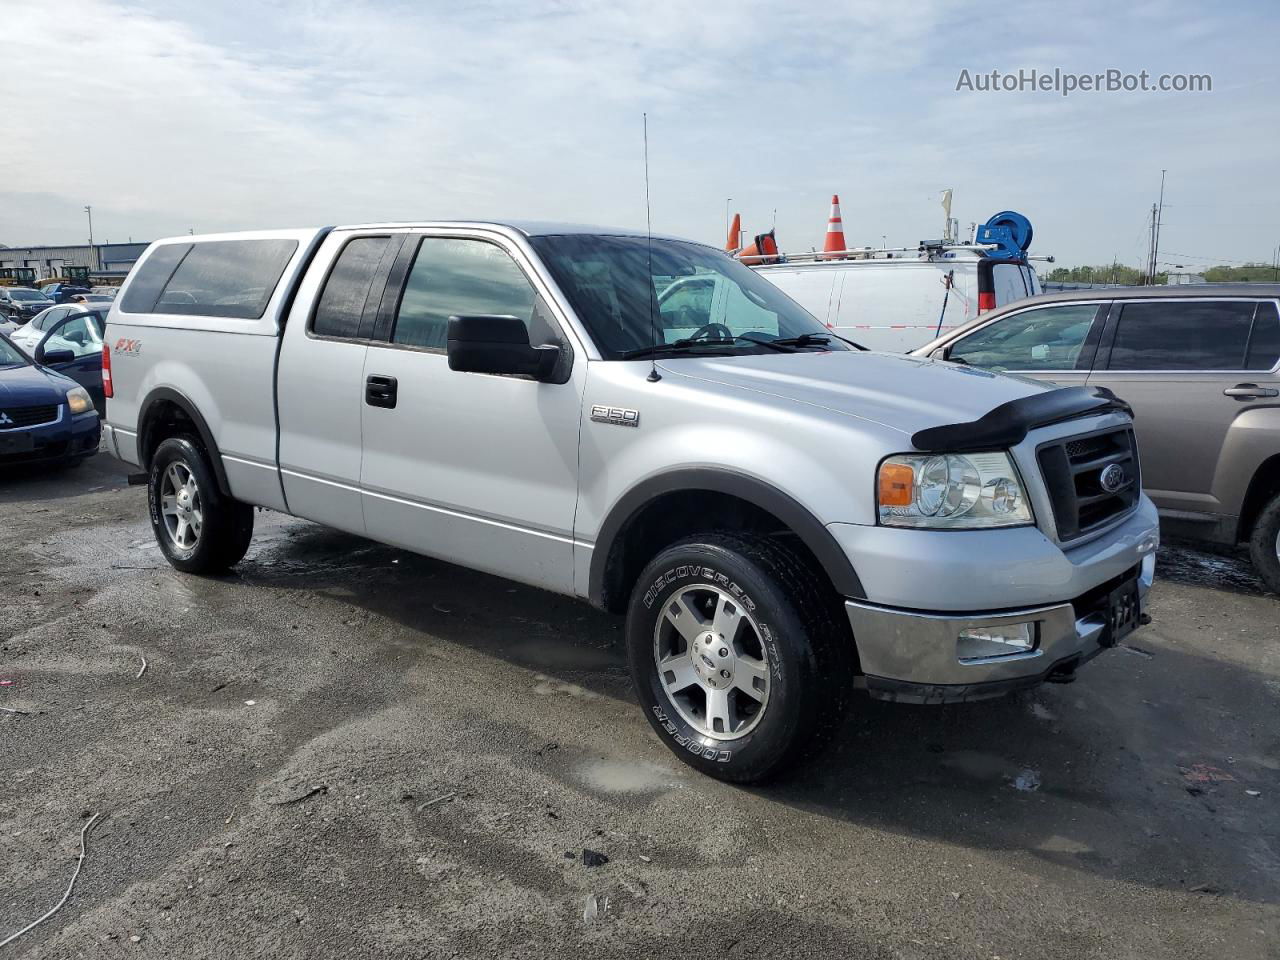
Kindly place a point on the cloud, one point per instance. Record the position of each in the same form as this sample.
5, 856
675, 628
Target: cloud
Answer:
223, 115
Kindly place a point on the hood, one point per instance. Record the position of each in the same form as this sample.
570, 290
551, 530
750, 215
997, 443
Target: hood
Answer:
32, 387
903, 393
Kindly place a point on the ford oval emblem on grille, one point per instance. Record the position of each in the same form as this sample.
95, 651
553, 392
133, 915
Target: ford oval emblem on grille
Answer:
1112, 477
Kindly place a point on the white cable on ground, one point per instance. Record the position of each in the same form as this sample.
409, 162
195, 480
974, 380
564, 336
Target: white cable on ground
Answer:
31, 926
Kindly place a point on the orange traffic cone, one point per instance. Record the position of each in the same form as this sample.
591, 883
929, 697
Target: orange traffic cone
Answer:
835, 232
764, 249
735, 231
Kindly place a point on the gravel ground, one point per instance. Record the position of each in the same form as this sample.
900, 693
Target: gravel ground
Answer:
345, 751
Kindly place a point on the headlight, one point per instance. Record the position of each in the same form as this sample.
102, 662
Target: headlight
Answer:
950, 490
79, 401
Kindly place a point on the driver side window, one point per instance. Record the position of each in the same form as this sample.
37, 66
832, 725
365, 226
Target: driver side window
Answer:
81, 334
1046, 338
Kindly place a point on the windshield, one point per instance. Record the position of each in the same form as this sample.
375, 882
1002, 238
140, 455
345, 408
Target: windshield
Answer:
10, 355
25, 295
696, 293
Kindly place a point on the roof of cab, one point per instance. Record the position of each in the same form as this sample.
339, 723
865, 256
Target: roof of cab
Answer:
530, 228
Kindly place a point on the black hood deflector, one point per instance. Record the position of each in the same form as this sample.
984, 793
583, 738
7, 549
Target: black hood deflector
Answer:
1008, 424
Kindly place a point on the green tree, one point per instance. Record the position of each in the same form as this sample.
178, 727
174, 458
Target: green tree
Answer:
1248, 273
1103, 273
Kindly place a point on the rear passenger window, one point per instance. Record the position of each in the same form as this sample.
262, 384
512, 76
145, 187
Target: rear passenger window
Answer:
1182, 335
1264, 342
346, 289
452, 277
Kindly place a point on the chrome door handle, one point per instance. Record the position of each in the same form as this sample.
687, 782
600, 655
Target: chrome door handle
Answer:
1250, 391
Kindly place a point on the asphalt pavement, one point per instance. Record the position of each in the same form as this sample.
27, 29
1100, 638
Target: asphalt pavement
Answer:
345, 750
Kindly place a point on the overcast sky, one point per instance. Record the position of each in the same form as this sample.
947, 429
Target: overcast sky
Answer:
203, 114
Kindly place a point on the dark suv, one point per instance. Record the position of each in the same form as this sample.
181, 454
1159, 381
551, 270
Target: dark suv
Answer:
1199, 363
20, 304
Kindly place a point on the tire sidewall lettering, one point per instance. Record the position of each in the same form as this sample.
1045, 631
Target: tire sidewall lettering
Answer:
660, 587
714, 577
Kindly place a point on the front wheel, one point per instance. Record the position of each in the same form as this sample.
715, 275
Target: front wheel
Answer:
737, 655
1264, 544
198, 528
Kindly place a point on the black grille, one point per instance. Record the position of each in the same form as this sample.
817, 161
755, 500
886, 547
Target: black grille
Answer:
1073, 472
13, 417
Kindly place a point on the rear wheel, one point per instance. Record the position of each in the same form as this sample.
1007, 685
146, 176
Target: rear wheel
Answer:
198, 528
737, 657
1264, 544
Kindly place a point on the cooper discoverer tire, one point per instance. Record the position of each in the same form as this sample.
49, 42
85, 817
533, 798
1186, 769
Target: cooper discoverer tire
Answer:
737, 655
198, 528
1264, 544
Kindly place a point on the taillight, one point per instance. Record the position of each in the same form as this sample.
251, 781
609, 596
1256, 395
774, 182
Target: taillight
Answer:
106, 371
986, 301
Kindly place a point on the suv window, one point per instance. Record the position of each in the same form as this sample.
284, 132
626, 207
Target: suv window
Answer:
1264, 340
1182, 335
457, 277
1046, 338
346, 289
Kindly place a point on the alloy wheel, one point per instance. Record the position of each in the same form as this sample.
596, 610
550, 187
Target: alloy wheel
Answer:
180, 506
711, 662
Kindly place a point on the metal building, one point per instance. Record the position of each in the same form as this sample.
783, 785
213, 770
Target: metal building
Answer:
103, 259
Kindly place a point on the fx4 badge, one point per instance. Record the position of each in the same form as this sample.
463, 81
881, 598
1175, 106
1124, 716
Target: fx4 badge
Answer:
127, 347
620, 416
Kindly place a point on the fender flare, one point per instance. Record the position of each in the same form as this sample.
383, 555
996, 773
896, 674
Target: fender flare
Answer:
167, 394
811, 531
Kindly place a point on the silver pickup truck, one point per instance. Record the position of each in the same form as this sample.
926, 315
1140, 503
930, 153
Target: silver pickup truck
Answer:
782, 516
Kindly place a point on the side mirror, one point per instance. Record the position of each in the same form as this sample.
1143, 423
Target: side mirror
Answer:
940, 353
491, 343
52, 358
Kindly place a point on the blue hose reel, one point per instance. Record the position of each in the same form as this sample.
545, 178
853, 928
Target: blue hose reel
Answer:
1010, 232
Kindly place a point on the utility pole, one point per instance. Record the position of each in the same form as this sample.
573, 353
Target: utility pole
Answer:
1155, 243
89, 213
1151, 248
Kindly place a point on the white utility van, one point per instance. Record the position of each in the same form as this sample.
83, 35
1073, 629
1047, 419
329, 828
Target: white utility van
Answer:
897, 300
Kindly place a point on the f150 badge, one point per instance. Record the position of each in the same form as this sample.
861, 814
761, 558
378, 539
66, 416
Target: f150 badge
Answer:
620, 416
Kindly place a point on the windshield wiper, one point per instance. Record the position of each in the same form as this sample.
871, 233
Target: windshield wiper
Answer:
804, 340
679, 346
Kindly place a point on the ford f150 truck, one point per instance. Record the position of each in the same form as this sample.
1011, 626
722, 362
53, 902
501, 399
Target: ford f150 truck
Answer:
781, 515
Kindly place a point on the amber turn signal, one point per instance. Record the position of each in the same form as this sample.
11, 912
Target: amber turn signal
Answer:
896, 481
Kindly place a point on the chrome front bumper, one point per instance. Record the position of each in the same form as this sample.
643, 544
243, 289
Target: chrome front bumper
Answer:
912, 656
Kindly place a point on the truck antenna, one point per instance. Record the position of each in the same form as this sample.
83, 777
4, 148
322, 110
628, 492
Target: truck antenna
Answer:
654, 376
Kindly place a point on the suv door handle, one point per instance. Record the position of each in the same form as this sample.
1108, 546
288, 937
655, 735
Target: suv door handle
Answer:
1250, 391
380, 391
